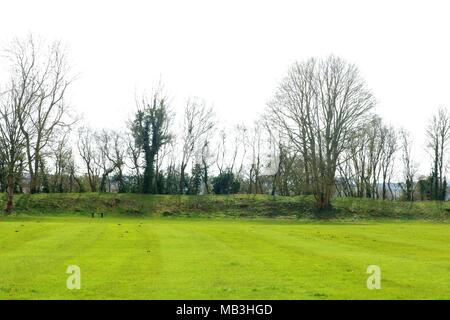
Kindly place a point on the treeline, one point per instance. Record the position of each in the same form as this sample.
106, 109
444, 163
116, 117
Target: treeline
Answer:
318, 135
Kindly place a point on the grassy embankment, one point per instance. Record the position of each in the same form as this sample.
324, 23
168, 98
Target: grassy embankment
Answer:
233, 206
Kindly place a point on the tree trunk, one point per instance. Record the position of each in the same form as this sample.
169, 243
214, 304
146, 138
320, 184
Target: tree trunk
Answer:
149, 174
103, 183
323, 201
325, 193
34, 175
120, 182
10, 188
205, 177
92, 182
181, 184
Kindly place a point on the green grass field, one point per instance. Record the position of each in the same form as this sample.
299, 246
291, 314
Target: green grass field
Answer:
139, 257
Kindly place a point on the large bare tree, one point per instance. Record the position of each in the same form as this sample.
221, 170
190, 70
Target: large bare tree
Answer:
319, 105
39, 83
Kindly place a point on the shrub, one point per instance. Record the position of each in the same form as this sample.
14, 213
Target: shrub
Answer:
226, 183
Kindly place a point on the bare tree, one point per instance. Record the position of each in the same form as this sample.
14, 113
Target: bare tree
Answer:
104, 159
135, 152
205, 158
198, 122
240, 142
111, 148
387, 159
276, 155
319, 106
438, 134
370, 157
89, 155
118, 158
255, 143
39, 83
73, 177
358, 156
409, 166
12, 144
377, 139
221, 151
62, 159
366, 149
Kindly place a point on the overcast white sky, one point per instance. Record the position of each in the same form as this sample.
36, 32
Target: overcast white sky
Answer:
233, 53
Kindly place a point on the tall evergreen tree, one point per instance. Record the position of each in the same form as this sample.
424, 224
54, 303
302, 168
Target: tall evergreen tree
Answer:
150, 130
